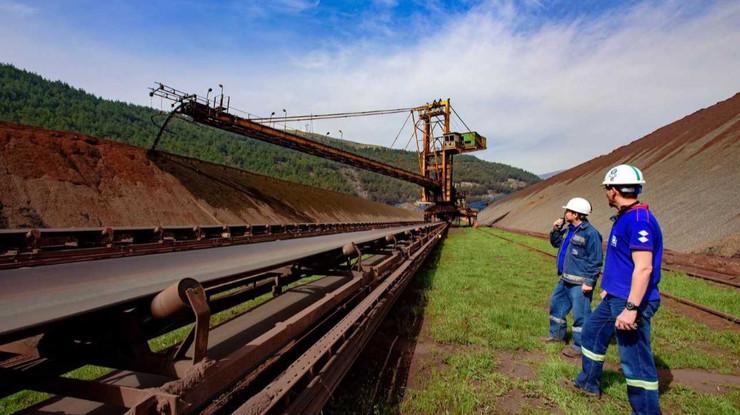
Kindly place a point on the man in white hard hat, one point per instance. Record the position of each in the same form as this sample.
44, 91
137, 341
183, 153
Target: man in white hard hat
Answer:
579, 263
629, 294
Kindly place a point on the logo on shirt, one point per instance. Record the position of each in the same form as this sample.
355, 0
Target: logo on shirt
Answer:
614, 241
643, 236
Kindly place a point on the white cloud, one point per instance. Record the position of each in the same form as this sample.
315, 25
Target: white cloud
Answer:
16, 8
546, 98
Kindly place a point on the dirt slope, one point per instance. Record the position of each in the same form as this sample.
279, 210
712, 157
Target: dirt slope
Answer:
692, 168
63, 179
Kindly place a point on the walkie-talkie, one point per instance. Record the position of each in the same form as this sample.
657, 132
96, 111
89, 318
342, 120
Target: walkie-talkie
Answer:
562, 224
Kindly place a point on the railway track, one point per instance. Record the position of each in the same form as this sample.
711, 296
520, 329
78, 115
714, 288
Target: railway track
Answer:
684, 301
694, 272
284, 355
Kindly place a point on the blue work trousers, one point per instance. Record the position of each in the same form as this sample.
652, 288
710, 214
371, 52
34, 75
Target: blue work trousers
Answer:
635, 354
565, 297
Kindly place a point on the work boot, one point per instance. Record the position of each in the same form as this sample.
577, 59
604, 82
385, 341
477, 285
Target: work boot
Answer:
550, 339
572, 352
574, 386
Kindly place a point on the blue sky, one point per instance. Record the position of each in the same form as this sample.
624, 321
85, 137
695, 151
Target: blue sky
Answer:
551, 83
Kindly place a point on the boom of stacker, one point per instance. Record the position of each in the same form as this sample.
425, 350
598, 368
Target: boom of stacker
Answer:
437, 145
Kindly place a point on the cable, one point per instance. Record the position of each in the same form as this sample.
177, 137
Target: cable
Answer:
333, 115
401, 130
460, 118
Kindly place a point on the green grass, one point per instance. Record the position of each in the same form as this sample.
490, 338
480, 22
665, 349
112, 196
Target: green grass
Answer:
26, 398
464, 385
487, 297
529, 240
718, 297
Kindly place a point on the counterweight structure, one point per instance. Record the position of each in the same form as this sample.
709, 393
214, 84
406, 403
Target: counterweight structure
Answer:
436, 159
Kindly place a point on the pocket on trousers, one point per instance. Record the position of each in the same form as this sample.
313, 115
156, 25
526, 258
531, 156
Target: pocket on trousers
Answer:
649, 310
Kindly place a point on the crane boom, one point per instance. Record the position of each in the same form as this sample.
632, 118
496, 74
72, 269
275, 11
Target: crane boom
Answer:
218, 118
435, 152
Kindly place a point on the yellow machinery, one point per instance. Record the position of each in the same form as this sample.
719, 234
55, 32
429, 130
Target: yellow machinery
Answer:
437, 146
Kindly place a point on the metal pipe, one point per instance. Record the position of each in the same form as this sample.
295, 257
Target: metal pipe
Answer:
173, 300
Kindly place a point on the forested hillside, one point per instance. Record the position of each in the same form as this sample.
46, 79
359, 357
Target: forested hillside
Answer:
26, 98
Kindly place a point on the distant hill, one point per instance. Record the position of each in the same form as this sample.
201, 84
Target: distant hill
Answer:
26, 98
692, 169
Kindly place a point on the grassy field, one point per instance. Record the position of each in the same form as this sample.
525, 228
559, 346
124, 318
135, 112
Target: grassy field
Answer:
486, 309
718, 297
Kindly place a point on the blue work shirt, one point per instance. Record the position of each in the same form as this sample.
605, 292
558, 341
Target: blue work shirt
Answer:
561, 254
635, 229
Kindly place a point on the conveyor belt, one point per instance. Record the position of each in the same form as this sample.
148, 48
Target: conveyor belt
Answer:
222, 339
34, 296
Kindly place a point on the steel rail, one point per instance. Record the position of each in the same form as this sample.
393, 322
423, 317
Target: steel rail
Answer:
704, 308
701, 274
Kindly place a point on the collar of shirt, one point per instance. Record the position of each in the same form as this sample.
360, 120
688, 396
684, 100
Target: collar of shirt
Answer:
625, 209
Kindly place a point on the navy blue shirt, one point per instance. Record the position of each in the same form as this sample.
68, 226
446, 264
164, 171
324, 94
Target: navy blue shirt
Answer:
564, 249
634, 230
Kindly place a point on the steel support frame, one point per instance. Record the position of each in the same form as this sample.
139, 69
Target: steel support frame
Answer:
309, 382
217, 376
33, 247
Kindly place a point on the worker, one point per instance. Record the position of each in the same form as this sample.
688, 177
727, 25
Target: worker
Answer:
578, 263
629, 294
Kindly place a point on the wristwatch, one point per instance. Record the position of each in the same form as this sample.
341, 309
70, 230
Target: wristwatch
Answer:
629, 306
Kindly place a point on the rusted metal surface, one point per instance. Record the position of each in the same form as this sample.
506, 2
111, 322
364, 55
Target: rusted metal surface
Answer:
32, 247
208, 363
219, 118
123, 396
706, 309
38, 295
321, 368
173, 299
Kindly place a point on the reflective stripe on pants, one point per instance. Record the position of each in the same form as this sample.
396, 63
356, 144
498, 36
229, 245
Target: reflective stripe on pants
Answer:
635, 355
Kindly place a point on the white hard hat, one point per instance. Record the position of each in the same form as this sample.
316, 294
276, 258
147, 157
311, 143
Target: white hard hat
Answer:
579, 205
624, 174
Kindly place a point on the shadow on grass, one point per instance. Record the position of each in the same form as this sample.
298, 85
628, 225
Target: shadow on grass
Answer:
377, 381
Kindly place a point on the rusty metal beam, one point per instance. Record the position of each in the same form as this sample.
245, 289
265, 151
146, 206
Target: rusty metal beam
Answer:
218, 118
306, 385
35, 296
243, 346
32, 247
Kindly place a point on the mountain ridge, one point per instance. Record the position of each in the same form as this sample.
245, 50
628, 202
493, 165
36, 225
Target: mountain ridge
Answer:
29, 99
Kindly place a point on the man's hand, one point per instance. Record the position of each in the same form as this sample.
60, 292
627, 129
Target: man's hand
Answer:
602, 294
626, 320
586, 288
558, 223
